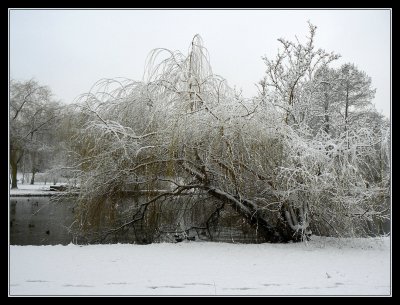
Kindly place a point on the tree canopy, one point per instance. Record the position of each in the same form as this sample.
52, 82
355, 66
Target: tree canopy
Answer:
308, 154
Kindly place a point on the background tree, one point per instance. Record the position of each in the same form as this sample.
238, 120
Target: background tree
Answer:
325, 103
32, 113
289, 76
356, 94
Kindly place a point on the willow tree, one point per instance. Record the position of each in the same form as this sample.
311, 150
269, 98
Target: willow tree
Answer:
183, 130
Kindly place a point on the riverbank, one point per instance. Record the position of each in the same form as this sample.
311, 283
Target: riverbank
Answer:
35, 190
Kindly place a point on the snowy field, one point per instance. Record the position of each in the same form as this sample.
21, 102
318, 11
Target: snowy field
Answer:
325, 266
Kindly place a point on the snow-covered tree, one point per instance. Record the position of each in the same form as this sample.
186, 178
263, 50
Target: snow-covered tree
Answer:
288, 78
319, 154
325, 103
32, 118
356, 94
183, 130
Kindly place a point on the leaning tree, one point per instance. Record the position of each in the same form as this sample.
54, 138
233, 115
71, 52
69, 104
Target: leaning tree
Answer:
184, 131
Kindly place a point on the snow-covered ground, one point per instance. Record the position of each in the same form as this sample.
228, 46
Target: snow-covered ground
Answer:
325, 266
37, 189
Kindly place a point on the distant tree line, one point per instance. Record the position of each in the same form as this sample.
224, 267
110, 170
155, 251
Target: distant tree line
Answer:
39, 132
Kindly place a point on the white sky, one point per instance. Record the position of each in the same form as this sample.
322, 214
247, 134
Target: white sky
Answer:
69, 50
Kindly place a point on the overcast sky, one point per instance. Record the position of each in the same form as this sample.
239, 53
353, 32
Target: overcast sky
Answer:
69, 50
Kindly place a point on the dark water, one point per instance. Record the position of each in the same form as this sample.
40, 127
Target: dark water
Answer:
39, 221
43, 221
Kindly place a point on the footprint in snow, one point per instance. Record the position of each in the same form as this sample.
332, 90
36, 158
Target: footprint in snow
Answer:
241, 288
155, 287
79, 285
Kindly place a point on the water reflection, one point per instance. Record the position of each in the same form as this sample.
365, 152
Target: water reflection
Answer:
42, 221
39, 221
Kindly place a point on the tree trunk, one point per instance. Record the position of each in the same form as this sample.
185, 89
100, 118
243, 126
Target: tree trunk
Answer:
326, 106
255, 218
14, 160
346, 114
346, 110
251, 212
33, 156
23, 172
14, 175
33, 176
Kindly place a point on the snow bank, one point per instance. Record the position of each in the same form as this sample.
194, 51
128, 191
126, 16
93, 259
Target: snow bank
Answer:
39, 189
325, 266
